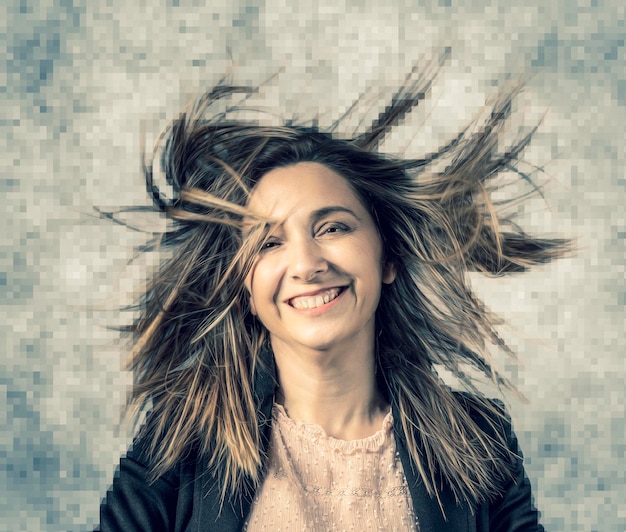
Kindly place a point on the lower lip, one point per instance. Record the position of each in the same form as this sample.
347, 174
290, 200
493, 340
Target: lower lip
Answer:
322, 309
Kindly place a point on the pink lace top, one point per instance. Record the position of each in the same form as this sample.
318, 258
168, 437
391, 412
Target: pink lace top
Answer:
315, 482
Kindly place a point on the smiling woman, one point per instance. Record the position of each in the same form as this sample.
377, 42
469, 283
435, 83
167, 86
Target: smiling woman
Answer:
289, 347
318, 284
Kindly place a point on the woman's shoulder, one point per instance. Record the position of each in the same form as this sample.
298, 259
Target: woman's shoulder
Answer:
142, 456
137, 500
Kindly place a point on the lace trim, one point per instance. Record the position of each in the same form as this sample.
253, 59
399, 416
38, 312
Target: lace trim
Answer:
356, 492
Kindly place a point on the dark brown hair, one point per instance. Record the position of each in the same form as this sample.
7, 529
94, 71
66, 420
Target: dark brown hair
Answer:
196, 345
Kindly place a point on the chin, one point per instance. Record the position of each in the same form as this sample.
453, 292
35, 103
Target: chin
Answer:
312, 344
316, 345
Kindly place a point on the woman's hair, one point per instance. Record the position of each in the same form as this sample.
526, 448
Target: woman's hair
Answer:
196, 344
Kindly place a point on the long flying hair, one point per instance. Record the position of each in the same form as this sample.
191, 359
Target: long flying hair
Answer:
196, 345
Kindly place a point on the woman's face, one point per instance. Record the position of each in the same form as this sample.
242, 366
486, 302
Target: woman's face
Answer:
316, 283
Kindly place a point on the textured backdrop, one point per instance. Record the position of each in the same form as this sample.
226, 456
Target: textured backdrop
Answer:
81, 80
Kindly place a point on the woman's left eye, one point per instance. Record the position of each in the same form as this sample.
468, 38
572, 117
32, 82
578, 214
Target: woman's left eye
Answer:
333, 228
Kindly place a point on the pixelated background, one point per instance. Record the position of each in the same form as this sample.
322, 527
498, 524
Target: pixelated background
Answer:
80, 81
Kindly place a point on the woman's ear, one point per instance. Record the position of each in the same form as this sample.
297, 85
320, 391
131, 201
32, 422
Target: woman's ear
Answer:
389, 273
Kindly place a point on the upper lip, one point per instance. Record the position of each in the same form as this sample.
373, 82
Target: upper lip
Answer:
315, 292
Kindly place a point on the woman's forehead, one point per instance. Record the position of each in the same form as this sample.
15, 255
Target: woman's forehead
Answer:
305, 186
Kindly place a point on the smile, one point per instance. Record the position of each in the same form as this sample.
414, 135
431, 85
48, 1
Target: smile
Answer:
314, 301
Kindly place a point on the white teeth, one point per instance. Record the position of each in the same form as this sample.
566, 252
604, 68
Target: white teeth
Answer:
308, 302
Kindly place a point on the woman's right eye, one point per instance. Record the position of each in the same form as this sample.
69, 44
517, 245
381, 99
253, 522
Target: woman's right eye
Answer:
269, 245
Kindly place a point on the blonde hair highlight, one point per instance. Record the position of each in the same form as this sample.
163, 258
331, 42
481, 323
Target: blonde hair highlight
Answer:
196, 345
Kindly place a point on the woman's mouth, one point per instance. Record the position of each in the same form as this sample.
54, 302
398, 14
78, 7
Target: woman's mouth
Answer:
316, 300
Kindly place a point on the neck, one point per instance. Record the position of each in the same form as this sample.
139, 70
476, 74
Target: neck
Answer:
335, 389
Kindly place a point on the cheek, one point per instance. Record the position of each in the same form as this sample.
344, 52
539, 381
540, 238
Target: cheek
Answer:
248, 285
259, 285
368, 257
252, 306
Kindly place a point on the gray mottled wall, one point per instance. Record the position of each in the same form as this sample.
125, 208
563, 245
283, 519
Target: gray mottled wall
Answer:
78, 80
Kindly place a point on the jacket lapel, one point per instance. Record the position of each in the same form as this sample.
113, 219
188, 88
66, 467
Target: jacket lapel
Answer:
209, 514
427, 510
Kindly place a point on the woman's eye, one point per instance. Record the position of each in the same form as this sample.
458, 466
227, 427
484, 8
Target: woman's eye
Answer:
269, 245
333, 228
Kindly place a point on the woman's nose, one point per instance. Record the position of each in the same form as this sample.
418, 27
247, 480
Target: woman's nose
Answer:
306, 260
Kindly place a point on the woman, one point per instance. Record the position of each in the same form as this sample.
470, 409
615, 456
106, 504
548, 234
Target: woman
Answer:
289, 347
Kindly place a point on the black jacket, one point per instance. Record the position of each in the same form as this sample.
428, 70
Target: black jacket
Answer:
187, 498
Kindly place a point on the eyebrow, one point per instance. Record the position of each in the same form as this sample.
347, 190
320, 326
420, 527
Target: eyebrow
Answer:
248, 226
332, 209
